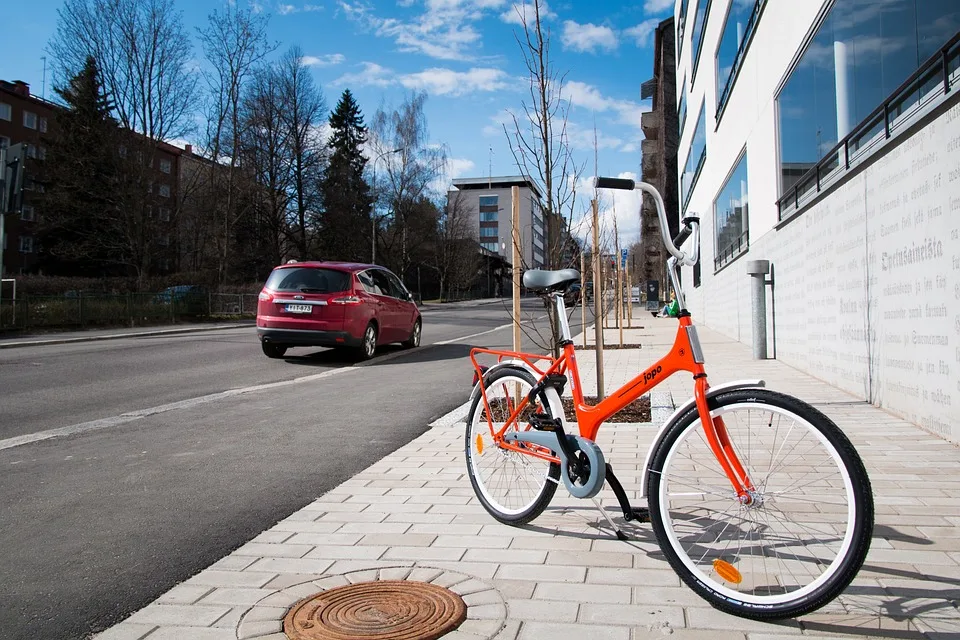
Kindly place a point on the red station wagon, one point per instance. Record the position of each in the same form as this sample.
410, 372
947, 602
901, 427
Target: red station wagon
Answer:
335, 304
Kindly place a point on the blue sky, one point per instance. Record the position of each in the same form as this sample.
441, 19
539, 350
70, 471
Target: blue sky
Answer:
462, 53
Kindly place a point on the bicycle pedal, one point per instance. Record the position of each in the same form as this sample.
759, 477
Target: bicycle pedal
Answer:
543, 423
639, 514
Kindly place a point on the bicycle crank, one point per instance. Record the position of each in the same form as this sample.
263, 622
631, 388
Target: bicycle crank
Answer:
582, 466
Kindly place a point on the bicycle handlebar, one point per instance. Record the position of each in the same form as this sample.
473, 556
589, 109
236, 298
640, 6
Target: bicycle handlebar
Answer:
691, 225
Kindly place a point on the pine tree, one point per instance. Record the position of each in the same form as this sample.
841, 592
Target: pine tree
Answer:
80, 175
346, 195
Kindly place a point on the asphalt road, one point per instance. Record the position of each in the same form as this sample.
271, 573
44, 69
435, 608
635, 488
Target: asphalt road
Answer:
95, 525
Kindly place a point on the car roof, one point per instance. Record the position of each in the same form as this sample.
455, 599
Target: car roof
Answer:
330, 264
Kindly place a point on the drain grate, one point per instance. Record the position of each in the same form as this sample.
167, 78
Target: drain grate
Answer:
381, 610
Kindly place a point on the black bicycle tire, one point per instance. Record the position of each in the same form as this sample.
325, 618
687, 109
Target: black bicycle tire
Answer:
863, 517
549, 487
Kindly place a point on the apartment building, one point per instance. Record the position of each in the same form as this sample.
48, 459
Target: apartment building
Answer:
487, 205
26, 119
824, 137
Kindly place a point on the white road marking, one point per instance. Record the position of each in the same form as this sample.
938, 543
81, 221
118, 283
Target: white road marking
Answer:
130, 416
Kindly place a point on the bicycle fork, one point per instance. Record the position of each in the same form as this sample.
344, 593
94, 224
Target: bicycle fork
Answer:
719, 441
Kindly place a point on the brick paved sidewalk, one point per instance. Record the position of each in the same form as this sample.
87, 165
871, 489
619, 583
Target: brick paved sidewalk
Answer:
413, 515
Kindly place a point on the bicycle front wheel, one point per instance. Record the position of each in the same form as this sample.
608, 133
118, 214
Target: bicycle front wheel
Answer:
513, 487
805, 529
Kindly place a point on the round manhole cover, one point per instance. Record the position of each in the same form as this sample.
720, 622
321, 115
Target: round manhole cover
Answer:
384, 609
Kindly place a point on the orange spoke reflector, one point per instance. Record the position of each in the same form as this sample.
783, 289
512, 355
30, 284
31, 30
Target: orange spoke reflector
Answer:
727, 571
479, 444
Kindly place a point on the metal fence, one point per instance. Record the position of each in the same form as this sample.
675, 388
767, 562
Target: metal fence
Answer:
127, 309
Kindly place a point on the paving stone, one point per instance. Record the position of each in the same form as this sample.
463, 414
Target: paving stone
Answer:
292, 565
541, 630
175, 614
542, 610
193, 633
126, 631
214, 578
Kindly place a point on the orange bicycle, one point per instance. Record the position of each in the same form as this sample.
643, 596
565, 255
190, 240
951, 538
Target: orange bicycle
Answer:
758, 500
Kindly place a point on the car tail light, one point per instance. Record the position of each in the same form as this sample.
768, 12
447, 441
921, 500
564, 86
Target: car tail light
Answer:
346, 300
264, 297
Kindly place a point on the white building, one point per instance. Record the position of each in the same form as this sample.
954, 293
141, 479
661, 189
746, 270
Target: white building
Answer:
488, 204
805, 141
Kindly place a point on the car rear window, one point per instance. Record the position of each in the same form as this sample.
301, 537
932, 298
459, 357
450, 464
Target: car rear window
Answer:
308, 280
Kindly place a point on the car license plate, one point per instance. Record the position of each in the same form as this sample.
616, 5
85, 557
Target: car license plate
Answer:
299, 308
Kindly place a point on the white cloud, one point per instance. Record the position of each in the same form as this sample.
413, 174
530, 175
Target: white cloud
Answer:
371, 75
587, 37
525, 10
435, 81
643, 32
497, 122
612, 203
443, 31
587, 96
328, 60
286, 9
456, 83
658, 6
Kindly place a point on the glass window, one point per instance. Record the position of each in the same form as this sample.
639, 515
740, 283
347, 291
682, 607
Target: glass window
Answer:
397, 288
695, 158
164, 214
681, 21
26, 244
682, 108
29, 120
308, 280
488, 232
489, 204
699, 24
27, 213
491, 246
164, 191
165, 166
43, 125
6, 112
731, 237
488, 216
741, 21
4, 142
861, 53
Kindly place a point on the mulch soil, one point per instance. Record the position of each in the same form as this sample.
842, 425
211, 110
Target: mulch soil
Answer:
607, 347
636, 411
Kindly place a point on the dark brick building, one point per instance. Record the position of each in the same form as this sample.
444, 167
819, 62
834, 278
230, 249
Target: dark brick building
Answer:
24, 118
659, 157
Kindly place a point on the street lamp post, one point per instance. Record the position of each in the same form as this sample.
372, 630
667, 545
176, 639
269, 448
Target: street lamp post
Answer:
373, 214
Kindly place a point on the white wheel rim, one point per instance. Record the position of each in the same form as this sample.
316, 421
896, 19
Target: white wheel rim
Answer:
714, 582
524, 475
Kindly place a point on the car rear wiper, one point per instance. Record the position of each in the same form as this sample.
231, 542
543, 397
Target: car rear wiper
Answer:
312, 290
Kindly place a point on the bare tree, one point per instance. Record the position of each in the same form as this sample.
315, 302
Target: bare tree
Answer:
408, 175
266, 154
539, 143
144, 54
456, 258
304, 109
538, 139
234, 41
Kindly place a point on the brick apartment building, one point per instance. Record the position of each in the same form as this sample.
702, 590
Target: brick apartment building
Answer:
26, 118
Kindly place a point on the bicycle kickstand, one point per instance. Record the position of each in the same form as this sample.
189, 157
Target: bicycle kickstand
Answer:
630, 513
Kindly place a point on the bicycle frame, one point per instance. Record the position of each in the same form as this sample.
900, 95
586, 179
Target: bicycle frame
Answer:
685, 355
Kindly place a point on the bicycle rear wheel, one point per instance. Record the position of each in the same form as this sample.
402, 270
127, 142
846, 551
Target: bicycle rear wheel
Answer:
806, 531
513, 487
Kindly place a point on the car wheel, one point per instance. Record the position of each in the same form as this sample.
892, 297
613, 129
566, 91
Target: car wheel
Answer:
369, 344
414, 339
272, 350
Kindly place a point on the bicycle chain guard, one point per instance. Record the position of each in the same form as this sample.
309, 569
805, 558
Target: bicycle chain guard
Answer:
548, 439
